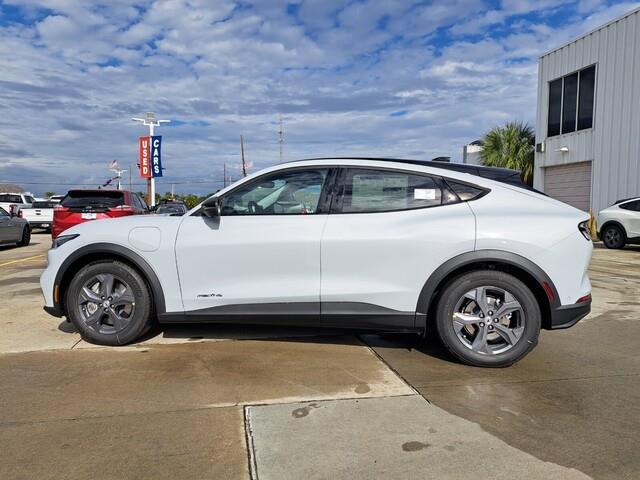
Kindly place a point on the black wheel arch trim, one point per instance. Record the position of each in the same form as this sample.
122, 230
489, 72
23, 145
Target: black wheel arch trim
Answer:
435, 282
120, 251
616, 223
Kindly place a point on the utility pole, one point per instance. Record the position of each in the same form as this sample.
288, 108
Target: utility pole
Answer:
281, 137
244, 165
130, 182
224, 176
151, 122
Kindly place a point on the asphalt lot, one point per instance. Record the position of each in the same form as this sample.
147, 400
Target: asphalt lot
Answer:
237, 402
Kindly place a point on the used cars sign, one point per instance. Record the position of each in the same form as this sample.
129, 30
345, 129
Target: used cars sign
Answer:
151, 156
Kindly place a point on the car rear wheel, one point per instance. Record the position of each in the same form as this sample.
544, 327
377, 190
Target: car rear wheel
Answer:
488, 319
109, 303
25, 239
613, 237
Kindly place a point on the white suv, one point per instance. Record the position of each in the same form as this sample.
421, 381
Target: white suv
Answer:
356, 243
620, 223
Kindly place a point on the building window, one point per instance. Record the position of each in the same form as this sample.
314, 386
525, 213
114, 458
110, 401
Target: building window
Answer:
571, 102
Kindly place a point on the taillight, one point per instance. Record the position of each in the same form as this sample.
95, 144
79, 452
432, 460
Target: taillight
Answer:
584, 229
122, 208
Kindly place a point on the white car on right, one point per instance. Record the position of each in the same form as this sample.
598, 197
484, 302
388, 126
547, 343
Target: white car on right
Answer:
619, 224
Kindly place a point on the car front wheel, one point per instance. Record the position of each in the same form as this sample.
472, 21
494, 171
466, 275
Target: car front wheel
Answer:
488, 319
109, 303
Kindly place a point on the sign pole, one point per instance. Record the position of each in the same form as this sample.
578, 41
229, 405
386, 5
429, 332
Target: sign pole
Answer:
152, 187
156, 166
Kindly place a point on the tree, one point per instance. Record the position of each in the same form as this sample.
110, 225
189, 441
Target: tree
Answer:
49, 194
511, 146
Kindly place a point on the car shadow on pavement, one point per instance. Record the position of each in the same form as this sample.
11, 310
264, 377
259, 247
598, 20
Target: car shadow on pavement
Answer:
185, 333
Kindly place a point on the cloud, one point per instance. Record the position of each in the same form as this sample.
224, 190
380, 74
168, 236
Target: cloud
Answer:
352, 77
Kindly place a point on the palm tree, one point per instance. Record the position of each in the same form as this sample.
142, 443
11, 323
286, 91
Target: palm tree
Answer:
511, 146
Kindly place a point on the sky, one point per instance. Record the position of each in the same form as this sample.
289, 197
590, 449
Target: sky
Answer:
358, 77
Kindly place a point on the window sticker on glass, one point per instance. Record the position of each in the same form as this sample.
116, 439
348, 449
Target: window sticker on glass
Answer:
424, 194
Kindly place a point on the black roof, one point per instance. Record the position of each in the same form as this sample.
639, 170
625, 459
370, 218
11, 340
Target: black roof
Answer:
504, 175
625, 200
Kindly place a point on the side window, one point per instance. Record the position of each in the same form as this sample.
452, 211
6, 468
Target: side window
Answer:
633, 206
368, 190
293, 192
3, 213
465, 191
141, 201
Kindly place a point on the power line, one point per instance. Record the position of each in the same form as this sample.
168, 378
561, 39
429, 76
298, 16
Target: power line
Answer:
96, 183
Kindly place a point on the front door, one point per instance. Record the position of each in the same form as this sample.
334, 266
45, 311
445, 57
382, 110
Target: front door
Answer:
261, 257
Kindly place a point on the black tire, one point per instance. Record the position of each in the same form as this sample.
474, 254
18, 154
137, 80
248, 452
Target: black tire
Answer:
528, 319
613, 237
106, 331
25, 239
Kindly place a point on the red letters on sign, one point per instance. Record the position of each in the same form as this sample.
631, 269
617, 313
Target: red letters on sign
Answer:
145, 149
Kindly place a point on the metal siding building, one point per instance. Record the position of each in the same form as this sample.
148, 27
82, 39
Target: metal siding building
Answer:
594, 167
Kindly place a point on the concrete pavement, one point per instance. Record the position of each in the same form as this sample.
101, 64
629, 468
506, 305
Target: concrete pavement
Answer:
574, 401
237, 402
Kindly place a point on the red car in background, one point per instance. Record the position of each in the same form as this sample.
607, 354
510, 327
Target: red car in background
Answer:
80, 206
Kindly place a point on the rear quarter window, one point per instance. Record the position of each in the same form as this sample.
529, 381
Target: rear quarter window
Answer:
465, 191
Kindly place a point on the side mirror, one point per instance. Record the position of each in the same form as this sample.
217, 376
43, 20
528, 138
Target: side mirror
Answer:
212, 207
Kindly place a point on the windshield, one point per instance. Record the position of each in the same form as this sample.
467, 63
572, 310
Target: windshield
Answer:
105, 198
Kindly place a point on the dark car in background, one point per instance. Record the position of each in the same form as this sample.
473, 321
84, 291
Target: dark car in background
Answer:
13, 230
79, 206
174, 208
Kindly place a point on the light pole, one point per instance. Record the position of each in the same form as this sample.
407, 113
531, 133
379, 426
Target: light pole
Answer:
151, 122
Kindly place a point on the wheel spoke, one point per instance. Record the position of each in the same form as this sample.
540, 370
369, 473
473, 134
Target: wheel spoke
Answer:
93, 320
510, 335
480, 341
462, 319
106, 284
124, 298
88, 295
118, 322
510, 305
481, 299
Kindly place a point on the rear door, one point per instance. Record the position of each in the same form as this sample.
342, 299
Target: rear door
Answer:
632, 217
388, 231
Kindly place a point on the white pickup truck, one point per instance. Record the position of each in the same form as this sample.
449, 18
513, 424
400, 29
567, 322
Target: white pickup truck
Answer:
13, 202
39, 214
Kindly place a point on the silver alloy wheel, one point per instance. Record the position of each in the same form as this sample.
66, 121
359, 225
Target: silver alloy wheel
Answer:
488, 320
106, 303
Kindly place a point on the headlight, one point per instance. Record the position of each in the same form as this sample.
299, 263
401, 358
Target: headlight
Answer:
62, 239
584, 229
